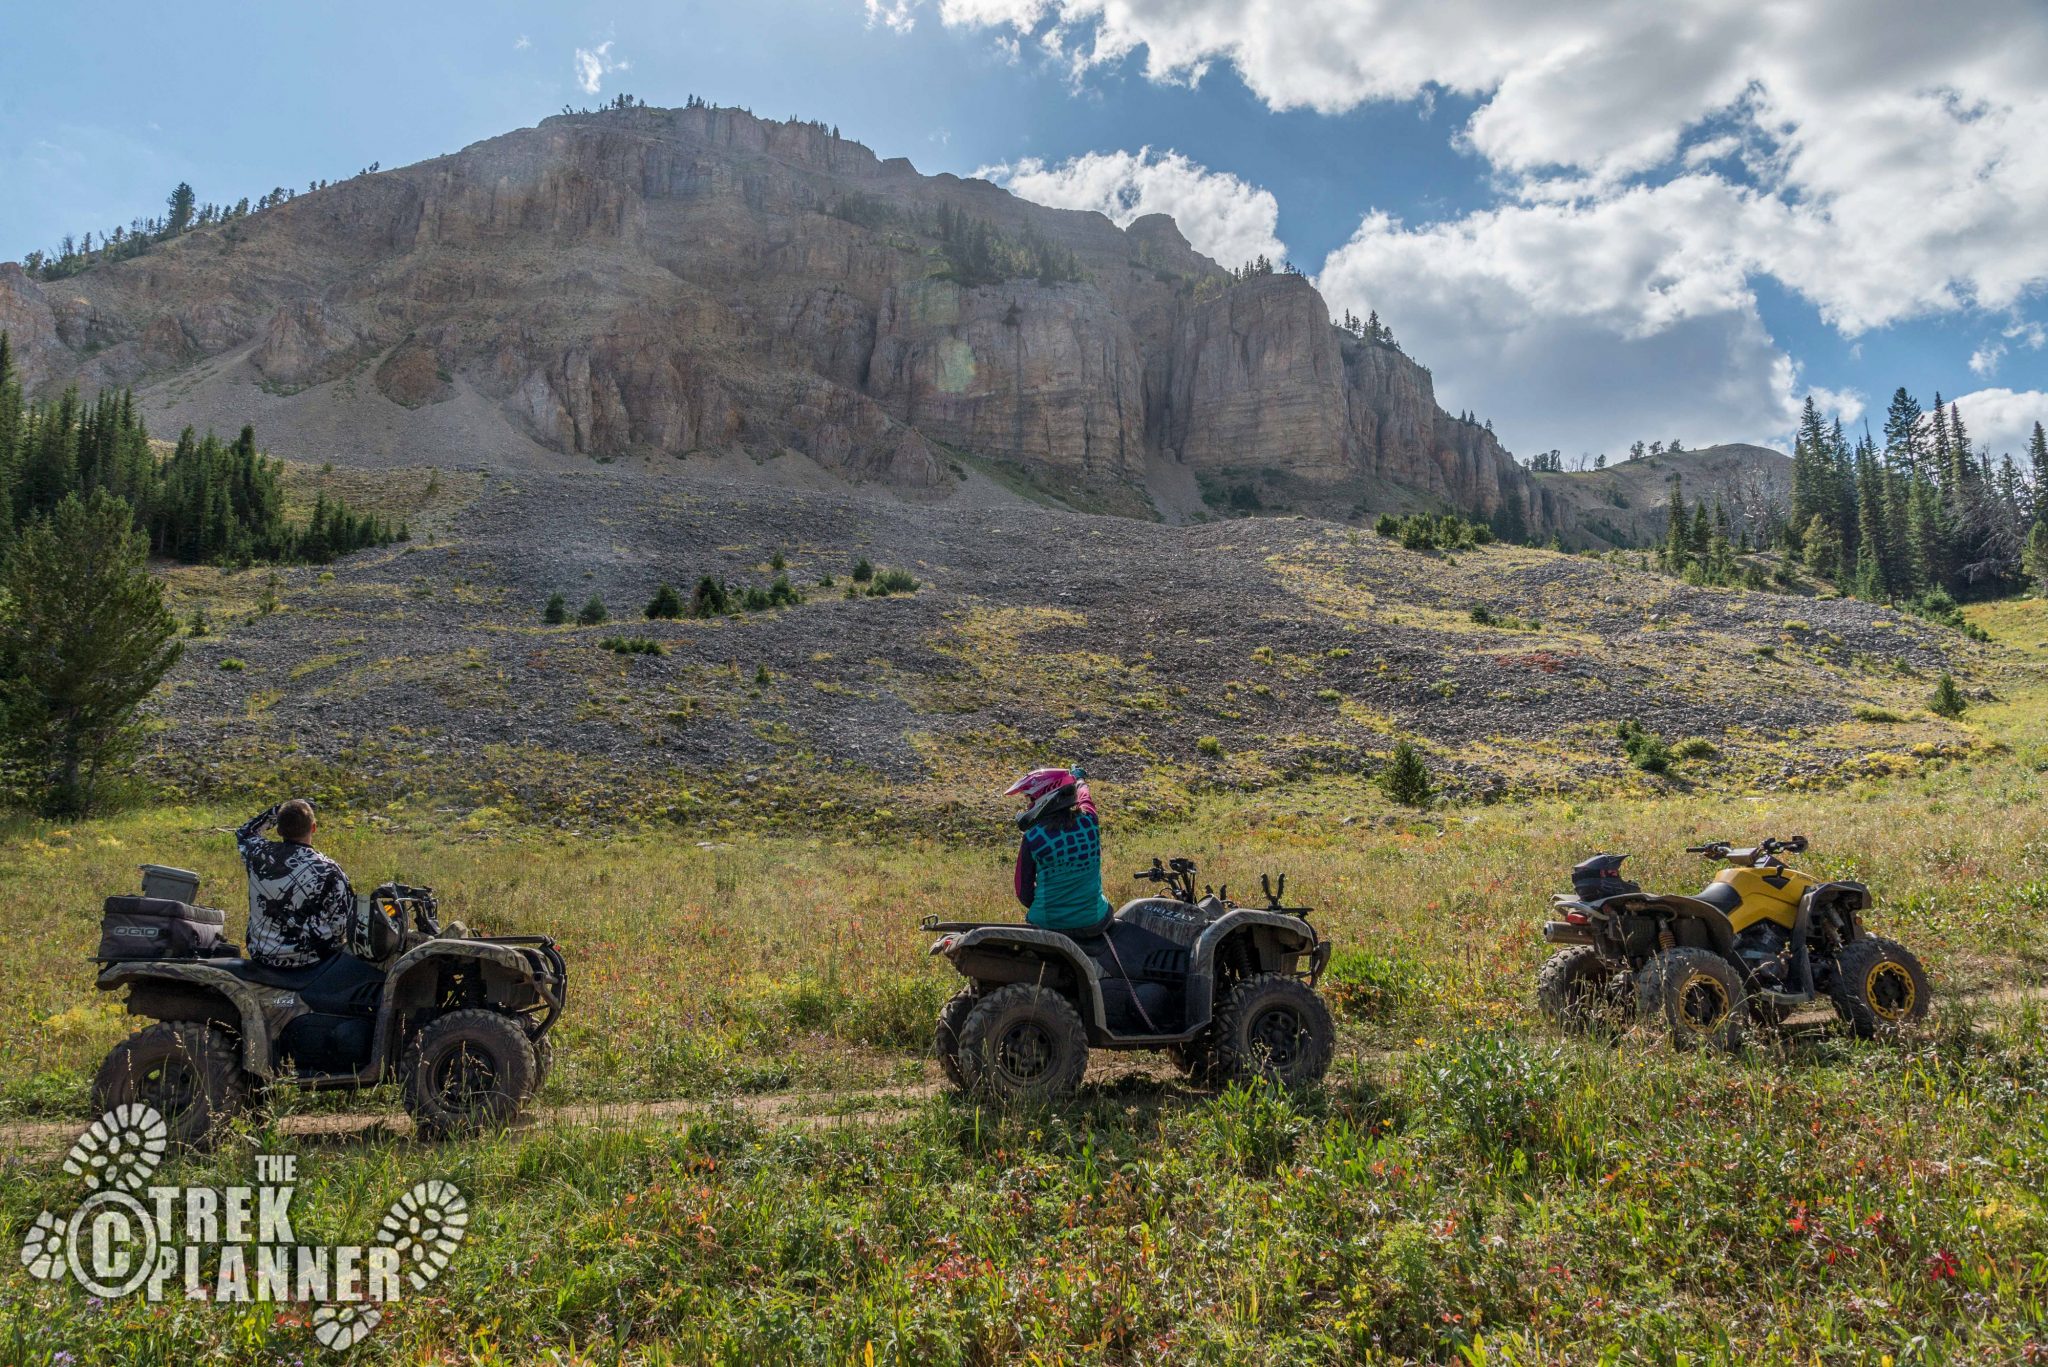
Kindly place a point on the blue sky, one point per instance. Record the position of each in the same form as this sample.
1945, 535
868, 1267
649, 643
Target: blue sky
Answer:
1580, 244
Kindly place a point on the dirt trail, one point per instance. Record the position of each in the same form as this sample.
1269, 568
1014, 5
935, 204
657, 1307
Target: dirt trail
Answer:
780, 1110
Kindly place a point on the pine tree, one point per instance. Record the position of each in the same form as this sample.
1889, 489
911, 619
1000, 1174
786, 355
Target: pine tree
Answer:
2035, 557
2037, 458
1947, 700
180, 202
1677, 533
1406, 778
1904, 441
84, 638
1823, 548
666, 603
593, 612
557, 610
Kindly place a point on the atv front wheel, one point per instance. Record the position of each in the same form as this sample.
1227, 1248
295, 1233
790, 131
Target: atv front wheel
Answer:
1696, 995
1879, 986
1274, 1027
1196, 1059
189, 1071
467, 1072
946, 1036
1023, 1042
543, 1062
1576, 990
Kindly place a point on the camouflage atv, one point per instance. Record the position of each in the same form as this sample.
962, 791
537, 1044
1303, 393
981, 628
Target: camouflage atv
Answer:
1228, 991
460, 1022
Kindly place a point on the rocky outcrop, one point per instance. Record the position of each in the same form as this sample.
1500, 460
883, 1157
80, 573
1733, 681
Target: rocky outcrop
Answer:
699, 279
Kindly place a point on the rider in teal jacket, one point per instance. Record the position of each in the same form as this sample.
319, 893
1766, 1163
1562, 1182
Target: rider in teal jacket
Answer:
1059, 860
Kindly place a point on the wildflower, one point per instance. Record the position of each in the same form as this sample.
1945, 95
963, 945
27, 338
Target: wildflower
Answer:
1942, 1267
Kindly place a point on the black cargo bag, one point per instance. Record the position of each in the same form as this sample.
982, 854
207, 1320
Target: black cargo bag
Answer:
158, 928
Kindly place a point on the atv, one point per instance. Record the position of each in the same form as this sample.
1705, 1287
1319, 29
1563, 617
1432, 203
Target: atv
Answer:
1759, 943
1228, 991
461, 1022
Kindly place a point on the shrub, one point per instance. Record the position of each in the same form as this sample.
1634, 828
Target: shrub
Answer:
1387, 524
710, 599
666, 604
197, 624
1947, 700
1210, 746
1482, 614
783, 594
1865, 712
1695, 747
778, 562
1495, 1088
1645, 748
631, 645
761, 676
887, 582
233, 665
593, 612
557, 610
1406, 778
862, 571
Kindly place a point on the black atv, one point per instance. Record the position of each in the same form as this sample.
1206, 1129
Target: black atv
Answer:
1760, 943
1228, 991
460, 1021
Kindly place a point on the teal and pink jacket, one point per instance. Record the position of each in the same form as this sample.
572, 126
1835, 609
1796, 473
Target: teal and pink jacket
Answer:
1059, 867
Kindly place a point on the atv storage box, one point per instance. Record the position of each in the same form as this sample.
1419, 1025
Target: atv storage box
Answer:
159, 928
173, 885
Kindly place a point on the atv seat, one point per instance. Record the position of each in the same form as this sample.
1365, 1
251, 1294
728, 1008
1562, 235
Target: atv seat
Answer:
1721, 896
250, 971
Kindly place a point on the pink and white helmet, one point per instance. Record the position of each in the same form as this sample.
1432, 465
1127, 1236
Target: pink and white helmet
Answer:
1040, 784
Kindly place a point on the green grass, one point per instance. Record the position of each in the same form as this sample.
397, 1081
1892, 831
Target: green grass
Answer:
1467, 1187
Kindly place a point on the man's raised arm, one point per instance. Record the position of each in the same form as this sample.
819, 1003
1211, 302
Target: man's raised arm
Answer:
249, 838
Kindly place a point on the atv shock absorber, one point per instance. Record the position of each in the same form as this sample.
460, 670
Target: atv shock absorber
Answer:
1665, 939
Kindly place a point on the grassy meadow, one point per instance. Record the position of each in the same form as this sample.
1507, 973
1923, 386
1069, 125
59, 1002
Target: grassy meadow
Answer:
1468, 1186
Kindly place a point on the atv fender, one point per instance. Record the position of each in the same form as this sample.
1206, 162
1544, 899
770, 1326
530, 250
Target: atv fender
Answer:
1714, 930
1010, 953
1277, 941
1849, 899
410, 983
263, 1011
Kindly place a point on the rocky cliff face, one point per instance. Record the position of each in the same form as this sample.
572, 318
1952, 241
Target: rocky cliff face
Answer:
699, 279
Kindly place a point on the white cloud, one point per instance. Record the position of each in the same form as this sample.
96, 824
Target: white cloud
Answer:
898, 15
2003, 419
522, 43
1984, 360
1882, 159
594, 64
1221, 216
2030, 335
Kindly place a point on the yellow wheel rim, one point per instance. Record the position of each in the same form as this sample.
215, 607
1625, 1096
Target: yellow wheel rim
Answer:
1702, 1003
1889, 990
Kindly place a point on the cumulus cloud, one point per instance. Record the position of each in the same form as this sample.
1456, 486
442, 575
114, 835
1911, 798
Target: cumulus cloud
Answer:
2002, 420
899, 15
1984, 360
1882, 159
1221, 216
594, 64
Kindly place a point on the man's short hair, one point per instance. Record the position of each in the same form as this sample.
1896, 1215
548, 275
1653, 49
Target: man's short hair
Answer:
295, 819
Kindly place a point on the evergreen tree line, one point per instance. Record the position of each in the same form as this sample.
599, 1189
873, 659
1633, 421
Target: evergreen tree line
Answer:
1923, 514
182, 214
978, 253
1698, 545
207, 502
1368, 329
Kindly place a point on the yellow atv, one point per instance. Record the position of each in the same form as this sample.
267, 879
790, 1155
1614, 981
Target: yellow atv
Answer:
1760, 942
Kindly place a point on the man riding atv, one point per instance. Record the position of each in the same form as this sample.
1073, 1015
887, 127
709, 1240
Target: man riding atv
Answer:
1059, 858
300, 901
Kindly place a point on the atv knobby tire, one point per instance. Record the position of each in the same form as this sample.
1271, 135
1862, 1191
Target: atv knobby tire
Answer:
1575, 989
543, 1062
1695, 996
467, 1072
191, 1072
946, 1035
1022, 1042
1879, 986
1274, 1027
1196, 1058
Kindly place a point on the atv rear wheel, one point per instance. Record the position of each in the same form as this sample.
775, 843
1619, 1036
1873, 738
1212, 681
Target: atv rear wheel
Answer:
1879, 986
467, 1072
1576, 990
1696, 995
946, 1036
189, 1071
543, 1063
1275, 1027
1022, 1042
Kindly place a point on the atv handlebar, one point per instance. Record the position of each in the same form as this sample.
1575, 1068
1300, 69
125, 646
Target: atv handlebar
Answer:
1721, 849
